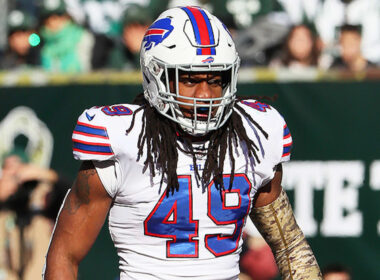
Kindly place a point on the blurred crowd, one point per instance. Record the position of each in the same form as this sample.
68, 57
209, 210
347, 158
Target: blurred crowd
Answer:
30, 198
76, 36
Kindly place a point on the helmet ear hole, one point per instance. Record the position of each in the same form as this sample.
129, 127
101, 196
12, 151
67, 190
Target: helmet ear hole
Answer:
156, 69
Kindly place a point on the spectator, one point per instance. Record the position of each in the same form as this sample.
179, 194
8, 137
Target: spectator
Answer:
126, 54
22, 52
336, 272
366, 13
29, 201
67, 46
351, 57
300, 49
107, 19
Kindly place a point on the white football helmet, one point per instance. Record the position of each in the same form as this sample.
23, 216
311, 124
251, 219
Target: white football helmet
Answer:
188, 39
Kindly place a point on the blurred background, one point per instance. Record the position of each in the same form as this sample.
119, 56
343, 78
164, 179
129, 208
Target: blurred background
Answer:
316, 61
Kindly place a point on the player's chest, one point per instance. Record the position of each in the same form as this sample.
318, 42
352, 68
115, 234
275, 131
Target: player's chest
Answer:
197, 217
200, 220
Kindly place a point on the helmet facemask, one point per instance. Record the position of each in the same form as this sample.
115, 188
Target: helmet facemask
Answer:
196, 116
178, 42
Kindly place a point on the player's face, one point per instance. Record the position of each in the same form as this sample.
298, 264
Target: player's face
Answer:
350, 42
198, 85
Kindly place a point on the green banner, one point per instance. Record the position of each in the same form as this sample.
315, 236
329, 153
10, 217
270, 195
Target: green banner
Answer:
333, 179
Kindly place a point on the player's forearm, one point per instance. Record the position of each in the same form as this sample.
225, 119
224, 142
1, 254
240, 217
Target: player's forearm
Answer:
59, 266
279, 228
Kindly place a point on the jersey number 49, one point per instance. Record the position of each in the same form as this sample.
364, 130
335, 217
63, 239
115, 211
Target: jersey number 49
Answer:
172, 218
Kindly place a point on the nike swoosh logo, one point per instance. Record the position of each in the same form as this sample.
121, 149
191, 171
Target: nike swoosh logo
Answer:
89, 117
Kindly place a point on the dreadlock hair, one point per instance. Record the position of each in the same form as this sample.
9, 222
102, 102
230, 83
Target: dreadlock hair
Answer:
161, 137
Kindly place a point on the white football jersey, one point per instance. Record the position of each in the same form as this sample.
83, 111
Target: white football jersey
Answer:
194, 233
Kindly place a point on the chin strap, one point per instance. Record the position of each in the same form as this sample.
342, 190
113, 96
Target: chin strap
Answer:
280, 230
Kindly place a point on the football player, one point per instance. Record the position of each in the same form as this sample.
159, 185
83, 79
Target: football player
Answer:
181, 170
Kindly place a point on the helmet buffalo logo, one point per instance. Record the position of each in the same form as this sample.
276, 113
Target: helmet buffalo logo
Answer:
208, 60
157, 32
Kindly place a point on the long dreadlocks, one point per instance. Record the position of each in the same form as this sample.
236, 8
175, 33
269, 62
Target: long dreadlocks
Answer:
161, 137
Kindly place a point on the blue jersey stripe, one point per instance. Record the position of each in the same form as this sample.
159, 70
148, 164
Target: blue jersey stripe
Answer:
91, 130
286, 150
286, 131
92, 148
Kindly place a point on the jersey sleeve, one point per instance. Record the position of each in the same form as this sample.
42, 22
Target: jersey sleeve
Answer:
276, 147
90, 137
280, 142
287, 143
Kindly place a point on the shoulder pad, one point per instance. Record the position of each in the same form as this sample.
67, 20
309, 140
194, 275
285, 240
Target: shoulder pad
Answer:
274, 124
257, 105
91, 135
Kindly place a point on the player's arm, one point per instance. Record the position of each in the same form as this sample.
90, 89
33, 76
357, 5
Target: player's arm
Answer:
273, 216
80, 220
